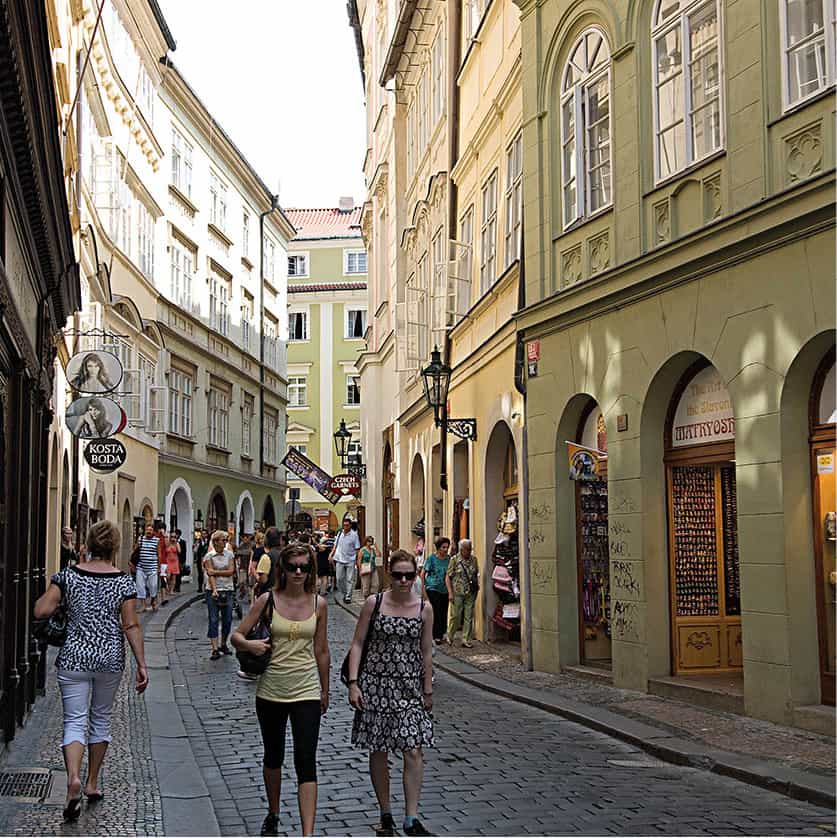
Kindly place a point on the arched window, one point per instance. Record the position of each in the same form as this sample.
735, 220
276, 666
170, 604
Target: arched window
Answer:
687, 83
585, 128
807, 47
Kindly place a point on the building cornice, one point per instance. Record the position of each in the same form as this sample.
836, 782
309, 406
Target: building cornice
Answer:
166, 458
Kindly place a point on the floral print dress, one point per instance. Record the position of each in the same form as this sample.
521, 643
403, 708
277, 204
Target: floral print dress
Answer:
393, 718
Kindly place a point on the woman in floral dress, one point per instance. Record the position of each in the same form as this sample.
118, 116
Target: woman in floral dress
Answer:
392, 691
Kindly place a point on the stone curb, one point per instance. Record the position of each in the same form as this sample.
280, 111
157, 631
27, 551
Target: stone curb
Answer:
186, 802
791, 782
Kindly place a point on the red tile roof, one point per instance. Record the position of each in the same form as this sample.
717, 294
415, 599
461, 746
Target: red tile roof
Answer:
329, 223
326, 286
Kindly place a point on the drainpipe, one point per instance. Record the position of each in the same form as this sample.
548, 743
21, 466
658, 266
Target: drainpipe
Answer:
454, 59
274, 205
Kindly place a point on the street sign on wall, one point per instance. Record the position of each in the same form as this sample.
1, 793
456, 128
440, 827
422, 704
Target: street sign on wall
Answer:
105, 455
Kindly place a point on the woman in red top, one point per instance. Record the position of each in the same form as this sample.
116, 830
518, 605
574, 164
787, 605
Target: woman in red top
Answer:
172, 563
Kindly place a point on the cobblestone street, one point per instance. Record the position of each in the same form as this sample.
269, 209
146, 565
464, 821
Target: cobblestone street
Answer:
499, 768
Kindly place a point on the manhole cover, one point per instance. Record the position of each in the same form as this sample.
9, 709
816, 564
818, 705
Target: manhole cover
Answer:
31, 785
638, 763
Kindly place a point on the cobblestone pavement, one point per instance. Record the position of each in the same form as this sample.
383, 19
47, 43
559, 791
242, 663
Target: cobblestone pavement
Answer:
499, 767
128, 779
726, 731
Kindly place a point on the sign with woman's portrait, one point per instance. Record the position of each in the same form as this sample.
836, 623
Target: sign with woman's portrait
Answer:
94, 372
95, 417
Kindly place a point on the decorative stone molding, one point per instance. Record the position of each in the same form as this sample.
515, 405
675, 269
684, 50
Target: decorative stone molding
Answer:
571, 266
599, 250
712, 204
803, 153
662, 222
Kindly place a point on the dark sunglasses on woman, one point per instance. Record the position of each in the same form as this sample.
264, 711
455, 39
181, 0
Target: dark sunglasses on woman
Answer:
398, 575
291, 567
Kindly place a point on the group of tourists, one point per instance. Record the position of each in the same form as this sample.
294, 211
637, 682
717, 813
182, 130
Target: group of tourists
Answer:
158, 564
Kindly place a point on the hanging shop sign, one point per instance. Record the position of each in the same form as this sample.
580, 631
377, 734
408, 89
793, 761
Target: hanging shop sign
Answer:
95, 417
94, 372
704, 412
585, 463
310, 473
105, 455
345, 484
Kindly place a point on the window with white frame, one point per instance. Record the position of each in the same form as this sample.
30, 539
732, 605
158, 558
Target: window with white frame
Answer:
219, 416
181, 385
270, 260
297, 264
514, 199
245, 234
145, 240
488, 235
270, 437
353, 389
271, 342
247, 409
423, 129
411, 140
248, 307
146, 94
217, 201
181, 163
297, 391
220, 291
687, 83
181, 263
297, 326
439, 282
437, 71
472, 12
466, 237
354, 261
809, 47
355, 323
585, 128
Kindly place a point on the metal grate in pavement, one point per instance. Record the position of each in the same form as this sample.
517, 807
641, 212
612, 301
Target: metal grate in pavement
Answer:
29, 785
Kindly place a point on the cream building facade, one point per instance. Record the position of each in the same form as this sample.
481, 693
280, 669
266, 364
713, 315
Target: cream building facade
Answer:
679, 300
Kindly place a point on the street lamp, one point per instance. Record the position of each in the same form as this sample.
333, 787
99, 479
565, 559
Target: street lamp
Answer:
342, 437
436, 380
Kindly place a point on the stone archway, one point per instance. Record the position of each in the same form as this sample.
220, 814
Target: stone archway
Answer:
245, 515
269, 512
217, 516
418, 516
180, 513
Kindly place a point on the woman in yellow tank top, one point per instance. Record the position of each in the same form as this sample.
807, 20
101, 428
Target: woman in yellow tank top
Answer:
295, 683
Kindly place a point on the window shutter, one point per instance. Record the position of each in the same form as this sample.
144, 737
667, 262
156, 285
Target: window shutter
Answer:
158, 396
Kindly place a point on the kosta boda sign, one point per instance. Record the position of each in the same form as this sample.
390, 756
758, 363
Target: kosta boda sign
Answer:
704, 412
105, 455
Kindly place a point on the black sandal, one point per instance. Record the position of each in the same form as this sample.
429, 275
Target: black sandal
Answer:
215, 655
72, 810
95, 797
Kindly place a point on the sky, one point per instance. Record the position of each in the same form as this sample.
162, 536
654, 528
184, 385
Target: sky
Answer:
282, 78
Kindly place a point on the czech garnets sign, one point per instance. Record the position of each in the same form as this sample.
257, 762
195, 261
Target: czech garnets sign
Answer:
105, 455
345, 484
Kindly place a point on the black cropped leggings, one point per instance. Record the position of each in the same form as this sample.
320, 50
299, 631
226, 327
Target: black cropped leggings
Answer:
305, 728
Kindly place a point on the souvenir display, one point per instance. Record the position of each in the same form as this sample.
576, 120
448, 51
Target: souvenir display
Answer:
732, 579
594, 557
505, 577
695, 551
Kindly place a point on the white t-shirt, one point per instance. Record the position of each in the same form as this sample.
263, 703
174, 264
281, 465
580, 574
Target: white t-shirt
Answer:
346, 547
220, 561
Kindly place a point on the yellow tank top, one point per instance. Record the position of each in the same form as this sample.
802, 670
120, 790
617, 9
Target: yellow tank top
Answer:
292, 672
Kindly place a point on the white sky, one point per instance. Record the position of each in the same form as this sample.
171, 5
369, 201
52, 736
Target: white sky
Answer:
282, 78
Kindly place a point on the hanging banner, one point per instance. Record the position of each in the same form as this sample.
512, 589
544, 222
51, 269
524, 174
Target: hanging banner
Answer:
310, 473
95, 417
105, 455
94, 372
345, 484
585, 463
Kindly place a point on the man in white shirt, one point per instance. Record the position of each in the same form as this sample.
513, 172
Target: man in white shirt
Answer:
344, 554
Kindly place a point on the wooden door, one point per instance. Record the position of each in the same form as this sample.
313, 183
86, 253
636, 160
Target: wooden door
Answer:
823, 459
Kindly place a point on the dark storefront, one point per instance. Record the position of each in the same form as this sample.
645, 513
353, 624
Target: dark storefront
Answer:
39, 289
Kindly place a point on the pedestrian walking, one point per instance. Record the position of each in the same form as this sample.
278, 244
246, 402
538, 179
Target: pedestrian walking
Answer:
367, 567
344, 555
323, 566
219, 569
463, 584
173, 563
184, 565
266, 569
68, 554
433, 575
148, 563
295, 683
199, 551
392, 692
252, 567
99, 602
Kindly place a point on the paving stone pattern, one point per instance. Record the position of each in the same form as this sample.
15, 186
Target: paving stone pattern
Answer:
499, 768
726, 731
129, 780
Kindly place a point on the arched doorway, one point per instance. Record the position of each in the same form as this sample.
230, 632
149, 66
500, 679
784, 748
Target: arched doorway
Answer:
705, 590
269, 513
417, 510
127, 535
823, 415
246, 517
592, 544
216, 511
461, 524
502, 497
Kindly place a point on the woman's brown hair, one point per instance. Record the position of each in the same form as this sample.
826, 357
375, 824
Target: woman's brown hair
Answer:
401, 556
297, 550
103, 540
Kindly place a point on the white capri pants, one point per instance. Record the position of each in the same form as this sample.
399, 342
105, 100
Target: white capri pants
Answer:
147, 584
88, 704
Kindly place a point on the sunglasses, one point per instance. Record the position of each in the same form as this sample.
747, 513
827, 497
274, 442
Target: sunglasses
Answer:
293, 568
398, 575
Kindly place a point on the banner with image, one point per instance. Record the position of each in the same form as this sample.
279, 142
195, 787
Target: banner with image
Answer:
310, 473
584, 462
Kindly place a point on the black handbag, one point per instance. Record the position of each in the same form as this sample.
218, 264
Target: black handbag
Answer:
344, 668
256, 664
52, 630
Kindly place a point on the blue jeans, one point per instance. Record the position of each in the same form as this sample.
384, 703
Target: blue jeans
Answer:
226, 613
